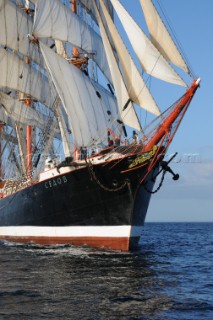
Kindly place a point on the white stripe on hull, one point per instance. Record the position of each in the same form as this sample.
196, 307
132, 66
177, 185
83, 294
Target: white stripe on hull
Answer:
85, 231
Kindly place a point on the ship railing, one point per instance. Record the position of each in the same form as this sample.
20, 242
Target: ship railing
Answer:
11, 186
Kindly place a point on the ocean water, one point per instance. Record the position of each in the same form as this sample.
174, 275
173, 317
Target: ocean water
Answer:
168, 277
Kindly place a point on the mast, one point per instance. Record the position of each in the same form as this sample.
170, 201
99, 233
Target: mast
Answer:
75, 55
75, 52
74, 6
77, 60
28, 103
1, 128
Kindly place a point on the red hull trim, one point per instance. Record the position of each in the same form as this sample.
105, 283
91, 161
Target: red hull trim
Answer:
122, 244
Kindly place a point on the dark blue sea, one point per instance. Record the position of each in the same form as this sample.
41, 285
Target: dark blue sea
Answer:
170, 276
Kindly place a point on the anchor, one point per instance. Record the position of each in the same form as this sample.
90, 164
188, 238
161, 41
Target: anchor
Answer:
165, 167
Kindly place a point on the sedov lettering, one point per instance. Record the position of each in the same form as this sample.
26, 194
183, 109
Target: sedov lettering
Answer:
55, 182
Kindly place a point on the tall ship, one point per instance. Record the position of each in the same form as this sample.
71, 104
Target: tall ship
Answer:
83, 140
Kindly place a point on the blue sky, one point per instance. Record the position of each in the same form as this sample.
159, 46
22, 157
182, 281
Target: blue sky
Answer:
190, 198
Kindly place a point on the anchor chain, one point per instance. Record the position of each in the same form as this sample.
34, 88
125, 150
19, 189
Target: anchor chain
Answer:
94, 177
164, 168
158, 188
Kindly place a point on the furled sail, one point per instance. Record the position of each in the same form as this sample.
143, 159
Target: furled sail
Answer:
160, 36
17, 75
137, 89
60, 48
150, 58
21, 113
80, 100
54, 20
126, 108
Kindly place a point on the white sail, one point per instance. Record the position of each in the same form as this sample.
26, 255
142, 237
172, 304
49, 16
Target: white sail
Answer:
64, 132
110, 108
128, 115
79, 99
88, 4
150, 58
160, 36
54, 20
15, 25
5, 118
60, 49
20, 112
137, 89
17, 75
109, 101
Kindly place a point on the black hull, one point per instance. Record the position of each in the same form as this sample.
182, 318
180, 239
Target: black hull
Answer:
75, 200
